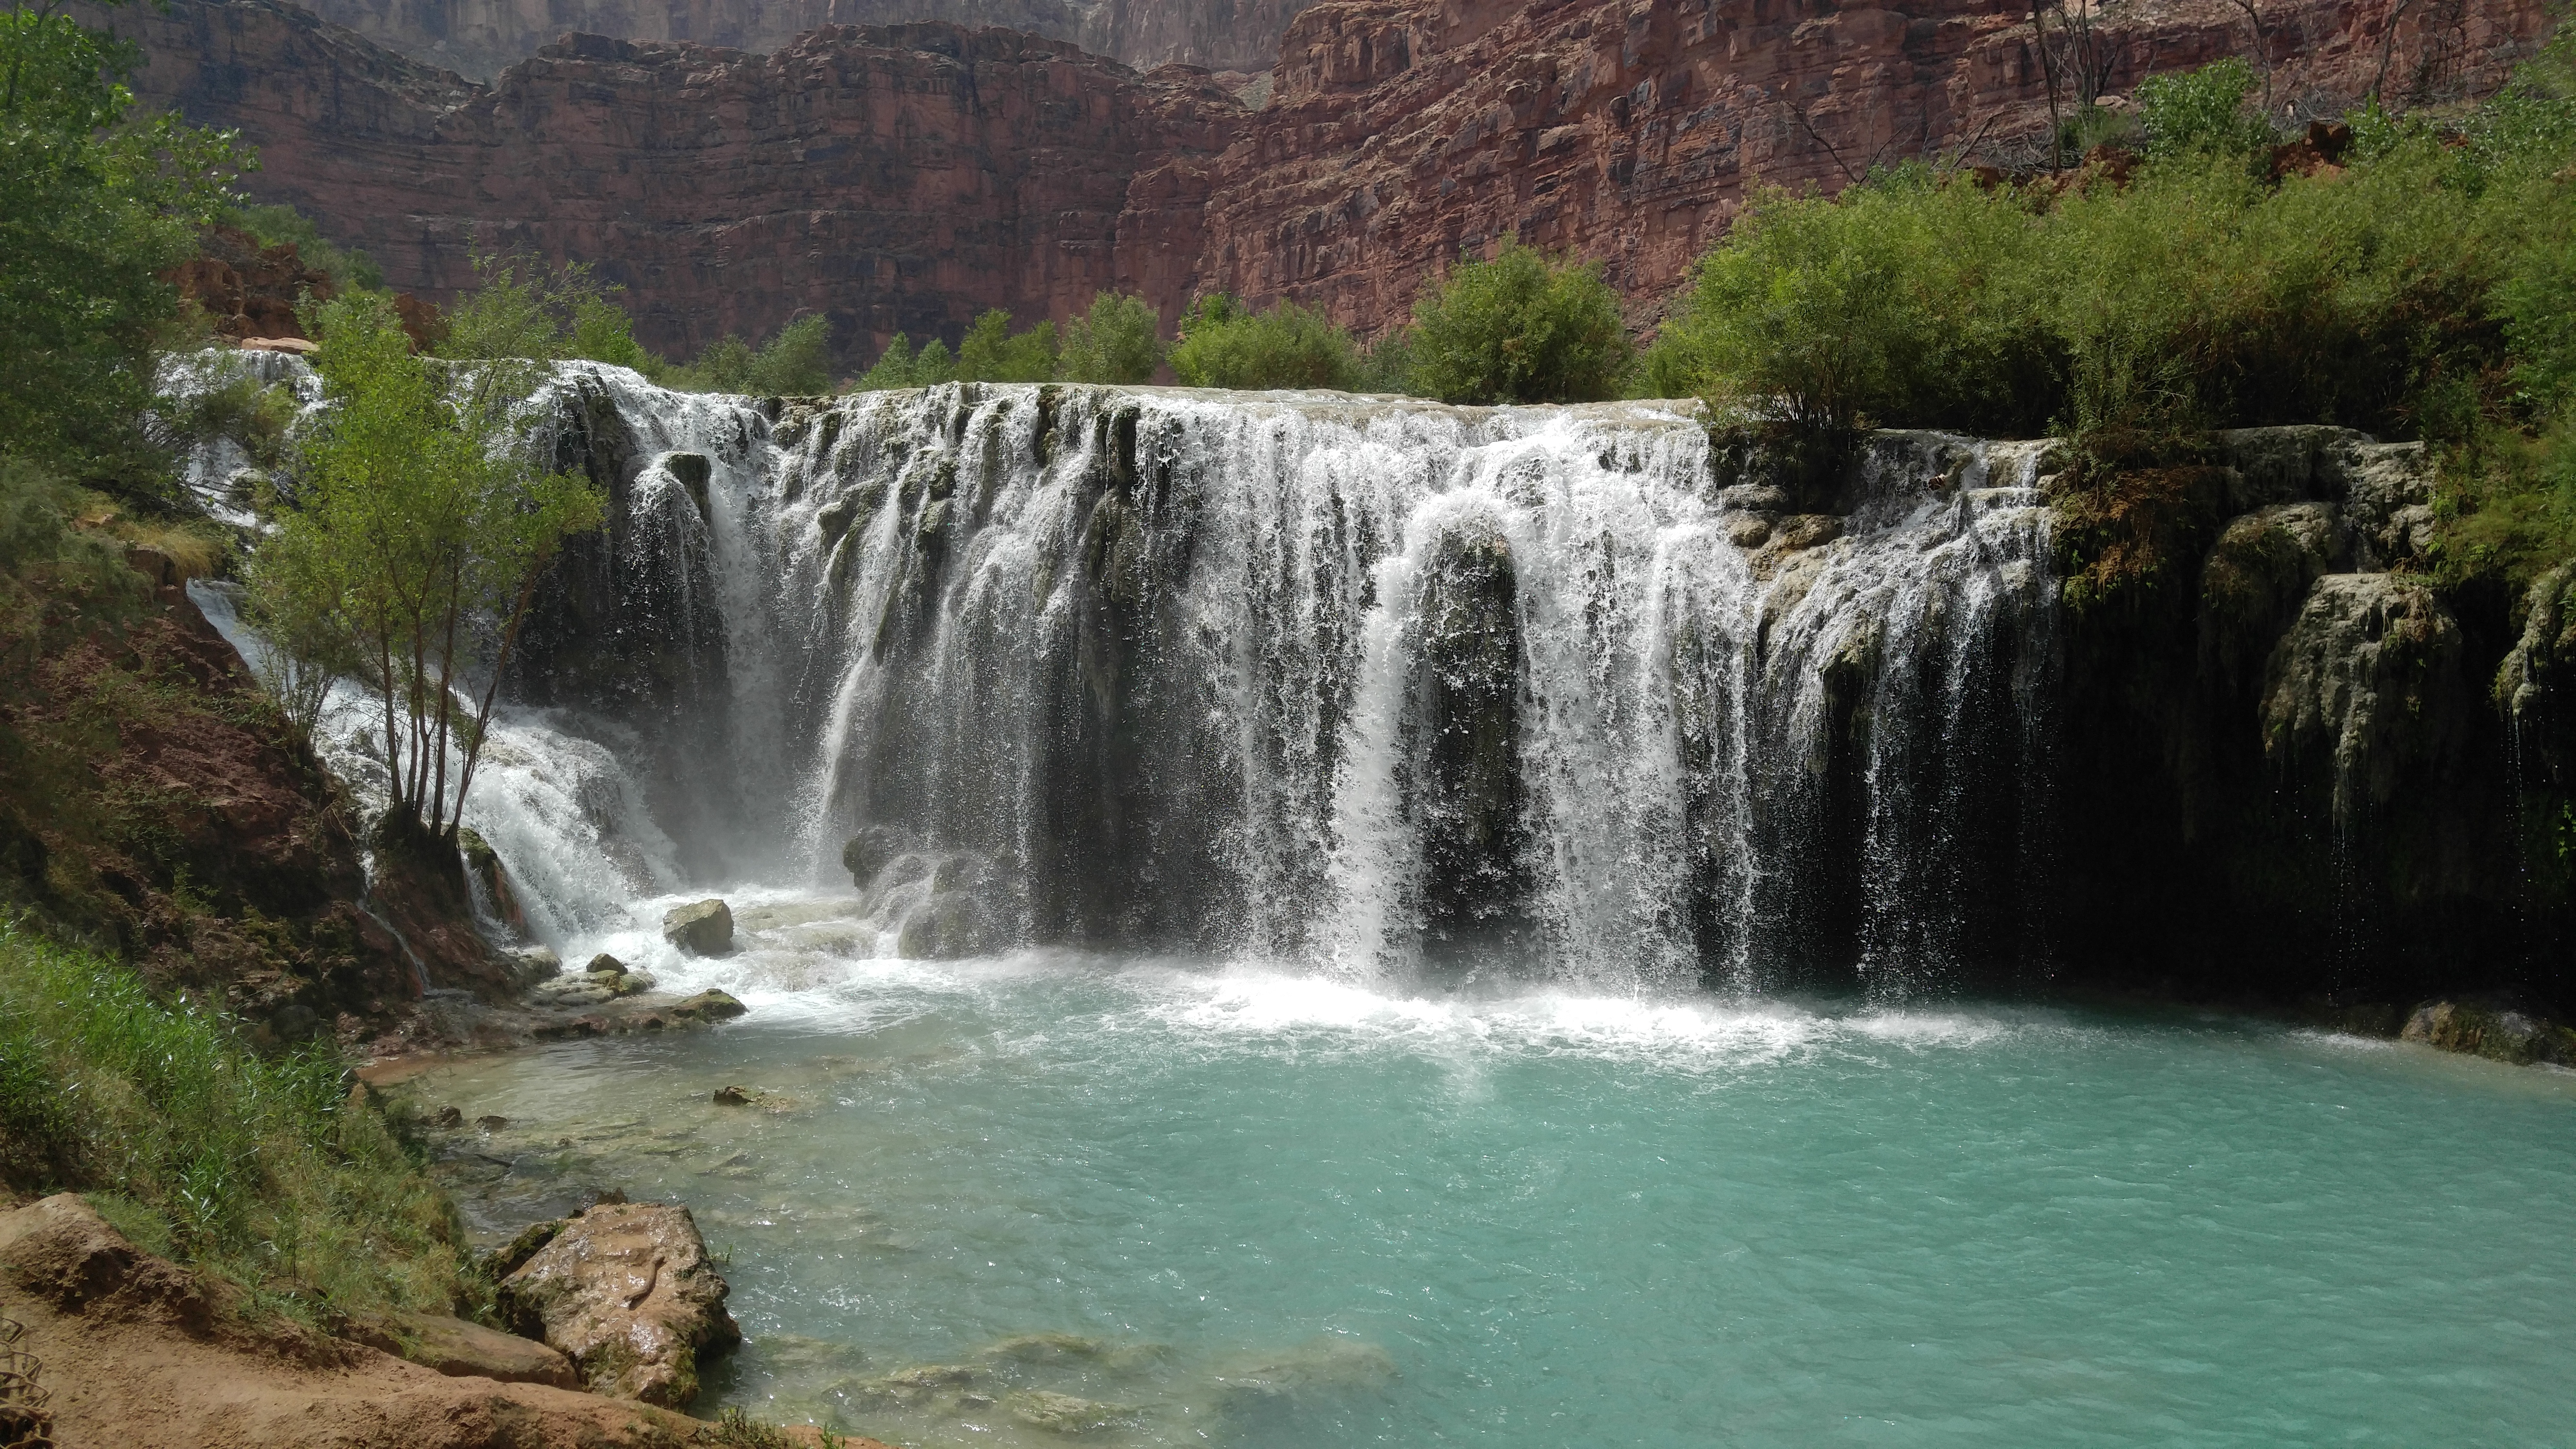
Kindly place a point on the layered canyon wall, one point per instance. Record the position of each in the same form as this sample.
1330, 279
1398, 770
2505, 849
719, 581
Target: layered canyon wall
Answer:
897, 178
911, 176
481, 38
1400, 131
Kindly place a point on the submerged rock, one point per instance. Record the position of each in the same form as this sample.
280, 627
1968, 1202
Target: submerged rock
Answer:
625, 1289
1063, 1413
704, 928
1319, 1365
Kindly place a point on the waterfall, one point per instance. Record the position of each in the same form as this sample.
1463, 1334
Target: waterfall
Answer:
1378, 684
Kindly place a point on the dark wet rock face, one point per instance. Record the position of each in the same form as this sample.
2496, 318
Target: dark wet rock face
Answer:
1463, 739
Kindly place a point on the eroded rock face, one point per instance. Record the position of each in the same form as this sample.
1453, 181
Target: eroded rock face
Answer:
480, 38
2499, 1029
896, 178
625, 1291
2364, 682
464, 1350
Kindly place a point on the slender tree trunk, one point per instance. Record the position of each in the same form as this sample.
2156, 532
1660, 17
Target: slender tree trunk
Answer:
446, 681
492, 688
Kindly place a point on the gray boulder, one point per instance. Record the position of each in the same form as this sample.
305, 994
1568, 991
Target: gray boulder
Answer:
702, 929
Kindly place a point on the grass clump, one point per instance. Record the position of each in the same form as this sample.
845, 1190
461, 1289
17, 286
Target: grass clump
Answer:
1521, 328
265, 1171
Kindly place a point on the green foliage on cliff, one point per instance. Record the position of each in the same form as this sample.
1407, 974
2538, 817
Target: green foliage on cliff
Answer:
900, 366
1117, 341
95, 203
265, 1170
1906, 302
1225, 344
2201, 112
279, 225
991, 352
795, 362
414, 519
521, 309
1523, 327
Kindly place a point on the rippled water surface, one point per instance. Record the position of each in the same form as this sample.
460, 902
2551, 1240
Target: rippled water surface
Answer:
1218, 1205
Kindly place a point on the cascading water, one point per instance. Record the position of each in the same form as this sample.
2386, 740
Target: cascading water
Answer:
1372, 683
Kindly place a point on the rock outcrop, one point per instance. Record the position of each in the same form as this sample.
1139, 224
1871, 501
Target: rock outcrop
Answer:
907, 177
139, 1352
626, 1291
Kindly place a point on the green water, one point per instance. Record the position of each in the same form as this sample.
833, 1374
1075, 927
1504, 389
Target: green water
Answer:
1263, 1210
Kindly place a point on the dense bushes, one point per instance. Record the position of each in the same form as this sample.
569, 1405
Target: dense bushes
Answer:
1225, 344
266, 1171
1519, 328
1114, 342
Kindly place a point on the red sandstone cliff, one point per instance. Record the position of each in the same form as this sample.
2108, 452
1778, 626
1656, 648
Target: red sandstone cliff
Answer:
1402, 130
905, 177
481, 38
911, 176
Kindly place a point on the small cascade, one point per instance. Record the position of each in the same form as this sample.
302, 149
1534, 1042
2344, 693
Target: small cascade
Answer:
1377, 684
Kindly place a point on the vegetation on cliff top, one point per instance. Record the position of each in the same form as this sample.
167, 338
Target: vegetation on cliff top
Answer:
2418, 290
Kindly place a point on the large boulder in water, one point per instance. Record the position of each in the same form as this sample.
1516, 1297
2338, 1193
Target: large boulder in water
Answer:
702, 929
625, 1290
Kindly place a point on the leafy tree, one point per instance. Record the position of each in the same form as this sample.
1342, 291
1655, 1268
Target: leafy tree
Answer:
1117, 341
283, 225
1519, 328
794, 363
412, 541
520, 308
1223, 344
94, 205
2202, 112
899, 366
1904, 302
991, 352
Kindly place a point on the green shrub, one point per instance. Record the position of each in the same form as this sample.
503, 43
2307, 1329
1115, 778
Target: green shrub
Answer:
899, 366
262, 1170
1520, 328
991, 352
520, 308
283, 225
1224, 344
1905, 302
1117, 341
2202, 112
796, 362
